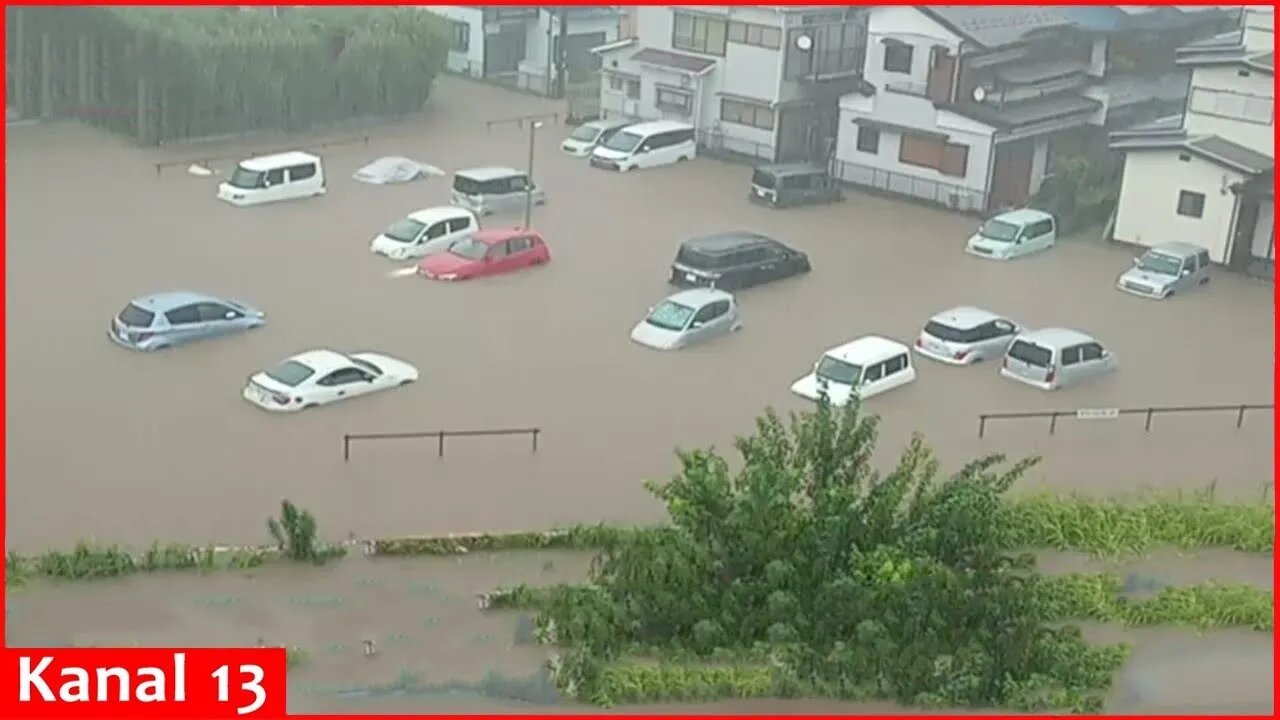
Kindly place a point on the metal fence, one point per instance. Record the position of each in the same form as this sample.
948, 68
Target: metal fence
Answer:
718, 143
439, 436
953, 197
1149, 414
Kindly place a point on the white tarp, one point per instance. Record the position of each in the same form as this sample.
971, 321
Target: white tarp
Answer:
393, 170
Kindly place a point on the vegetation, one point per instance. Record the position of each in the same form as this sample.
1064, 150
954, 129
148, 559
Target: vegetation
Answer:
1080, 190
806, 572
295, 535
171, 73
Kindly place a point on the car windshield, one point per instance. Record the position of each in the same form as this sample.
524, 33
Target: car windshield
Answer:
623, 142
1031, 353
1160, 264
405, 230
247, 179
467, 185
585, 133
762, 179
947, 333
837, 371
290, 372
670, 316
134, 316
469, 248
999, 230
366, 366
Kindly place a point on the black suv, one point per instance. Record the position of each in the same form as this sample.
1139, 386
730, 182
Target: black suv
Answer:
735, 260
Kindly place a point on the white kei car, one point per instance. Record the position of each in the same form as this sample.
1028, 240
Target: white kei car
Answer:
319, 377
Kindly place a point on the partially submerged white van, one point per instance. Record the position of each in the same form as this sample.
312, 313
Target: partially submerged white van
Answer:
272, 178
646, 145
425, 232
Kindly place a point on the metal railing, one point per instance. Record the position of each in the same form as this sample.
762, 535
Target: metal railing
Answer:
916, 89
947, 195
1113, 413
718, 143
439, 435
208, 160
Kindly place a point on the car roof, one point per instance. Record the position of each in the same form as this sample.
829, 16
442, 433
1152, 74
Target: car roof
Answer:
697, 297
1055, 337
166, 301
1023, 216
426, 216
608, 124
269, 162
1178, 249
867, 349
795, 168
726, 242
489, 236
657, 126
321, 360
490, 172
965, 317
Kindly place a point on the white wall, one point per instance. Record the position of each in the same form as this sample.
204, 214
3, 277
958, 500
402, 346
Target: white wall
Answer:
472, 61
1259, 29
1039, 163
1263, 244
538, 48
908, 25
1253, 135
1149, 191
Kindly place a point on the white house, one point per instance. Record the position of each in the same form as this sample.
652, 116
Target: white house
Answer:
963, 105
521, 46
757, 80
1205, 177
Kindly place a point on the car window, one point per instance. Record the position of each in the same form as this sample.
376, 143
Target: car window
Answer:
711, 311
750, 256
210, 311
1071, 355
895, 364
874, 373
437, 230
1091, 351
459, 223
947, 333
1031, 354
1189, 264
519, 245
519, 183
290, 372
302, 172
497, 250
1002, 327
134, 316
1204, 258
343, 376
184, 315
276, 176
774, 252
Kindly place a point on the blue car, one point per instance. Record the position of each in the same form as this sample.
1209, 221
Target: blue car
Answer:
162, 320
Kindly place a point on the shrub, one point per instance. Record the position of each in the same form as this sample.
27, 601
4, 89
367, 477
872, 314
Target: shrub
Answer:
295, 535
1204, 606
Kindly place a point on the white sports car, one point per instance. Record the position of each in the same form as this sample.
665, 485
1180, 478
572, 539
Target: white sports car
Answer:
319, 377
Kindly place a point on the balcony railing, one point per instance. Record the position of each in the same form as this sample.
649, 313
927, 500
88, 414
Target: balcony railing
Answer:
903, 87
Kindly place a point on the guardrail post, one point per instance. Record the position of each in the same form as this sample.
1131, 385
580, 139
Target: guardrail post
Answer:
346, 448
440, 444
1150, 412
535, 439
1053, 421
982, 425
1240, 417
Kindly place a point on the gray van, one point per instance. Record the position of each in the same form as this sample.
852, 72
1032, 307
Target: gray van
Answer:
489, 190
1053, 358
785, 185
1165, 270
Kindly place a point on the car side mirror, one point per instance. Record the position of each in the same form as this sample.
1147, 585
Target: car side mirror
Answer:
1185, 272
231, 315
696, 324
1137, 261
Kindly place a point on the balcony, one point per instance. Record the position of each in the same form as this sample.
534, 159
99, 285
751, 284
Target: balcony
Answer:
905, 87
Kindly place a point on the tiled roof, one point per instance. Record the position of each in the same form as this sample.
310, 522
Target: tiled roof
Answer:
995, 26
1233, 154
1213, 148
1027, 112
679, 61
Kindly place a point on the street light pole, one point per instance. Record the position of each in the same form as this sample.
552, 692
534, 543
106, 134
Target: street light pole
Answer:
528, 184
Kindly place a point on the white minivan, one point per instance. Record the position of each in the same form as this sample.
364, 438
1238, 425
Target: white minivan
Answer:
862, 368
646, 145
425, 232
1014, 234
272, 178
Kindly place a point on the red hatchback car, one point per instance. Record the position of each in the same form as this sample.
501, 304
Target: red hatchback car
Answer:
486, 252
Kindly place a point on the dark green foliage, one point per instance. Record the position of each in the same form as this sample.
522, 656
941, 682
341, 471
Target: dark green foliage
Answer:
840, 580
295, 535
170, 73
1081, 190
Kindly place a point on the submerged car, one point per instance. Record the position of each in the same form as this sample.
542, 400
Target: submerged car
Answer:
424, 232
1165, 270
487, 252
589, 135
1014, 234
734, 260
320, 377
790, 184
965, 335
167, 319
862, 368
688, 317
1052, 358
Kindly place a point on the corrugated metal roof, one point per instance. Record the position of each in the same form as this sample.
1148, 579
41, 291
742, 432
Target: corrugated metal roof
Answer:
995, 26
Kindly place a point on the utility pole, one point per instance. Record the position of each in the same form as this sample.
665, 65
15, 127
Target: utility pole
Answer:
534, 121
562, 59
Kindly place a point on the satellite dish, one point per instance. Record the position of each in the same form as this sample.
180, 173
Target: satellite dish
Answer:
979, 94
804, 42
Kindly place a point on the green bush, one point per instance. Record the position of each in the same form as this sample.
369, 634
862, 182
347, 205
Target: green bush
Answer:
295, 535
581, 537
1205, 606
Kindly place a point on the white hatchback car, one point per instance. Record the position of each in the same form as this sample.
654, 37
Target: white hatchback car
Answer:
424, 232
965, 335
320, 377
867, 366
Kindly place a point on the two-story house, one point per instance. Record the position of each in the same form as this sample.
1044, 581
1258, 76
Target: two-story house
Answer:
758, 80
1205, 176
963, 106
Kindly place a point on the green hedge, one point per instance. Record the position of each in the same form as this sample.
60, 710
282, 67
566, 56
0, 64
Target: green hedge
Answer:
1205, 606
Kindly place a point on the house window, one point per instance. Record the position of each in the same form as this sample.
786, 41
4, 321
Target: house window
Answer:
699, 33
868, 139
745, 113
765, 36
622, 83
459, 36
633, 89
1190, 204
673, 99
933, 152
1233, 105
836, 48
897, 58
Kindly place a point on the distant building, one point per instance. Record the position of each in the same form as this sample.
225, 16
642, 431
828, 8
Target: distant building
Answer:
1206, 176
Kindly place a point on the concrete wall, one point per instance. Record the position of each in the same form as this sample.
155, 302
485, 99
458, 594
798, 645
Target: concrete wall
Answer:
1250, 134
1263, 245
1149, 200
470, 62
